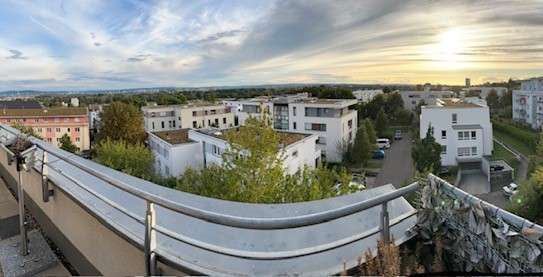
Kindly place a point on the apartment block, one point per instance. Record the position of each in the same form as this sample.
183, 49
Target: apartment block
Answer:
51, 123
462, 129
193, 115
177, 150
412, 99
483, 92
334, 121
528, 103
366, 95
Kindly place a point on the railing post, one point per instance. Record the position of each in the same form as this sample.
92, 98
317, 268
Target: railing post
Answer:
21, 197
385, 227
46, 192
150, 241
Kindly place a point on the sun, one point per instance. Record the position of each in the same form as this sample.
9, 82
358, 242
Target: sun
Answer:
449, 49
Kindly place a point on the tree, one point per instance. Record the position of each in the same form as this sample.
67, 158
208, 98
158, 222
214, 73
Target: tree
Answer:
381, 123
427, 153
370, 130
66, 144
27, 130
493, 100
362, 147
527, 202
134, 159
122, 121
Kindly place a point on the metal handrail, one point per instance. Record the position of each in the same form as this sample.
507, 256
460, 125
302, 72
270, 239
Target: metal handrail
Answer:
228, 220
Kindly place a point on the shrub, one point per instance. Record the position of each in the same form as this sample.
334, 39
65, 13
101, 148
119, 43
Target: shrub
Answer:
520, 133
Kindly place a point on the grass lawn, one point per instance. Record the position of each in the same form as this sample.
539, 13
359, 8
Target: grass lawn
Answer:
511, 141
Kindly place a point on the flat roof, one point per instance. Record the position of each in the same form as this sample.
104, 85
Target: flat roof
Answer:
175, 136
452, 103
188, 105
20, 105
285, 138
44, 112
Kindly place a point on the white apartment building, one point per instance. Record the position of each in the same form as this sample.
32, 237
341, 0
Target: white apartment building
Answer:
411, 99
177, 150
462, 129
366, 95
193, 115
528, 103
483, 92
333, 120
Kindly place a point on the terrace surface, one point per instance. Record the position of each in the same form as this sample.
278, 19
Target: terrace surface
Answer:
175, 136
285, 138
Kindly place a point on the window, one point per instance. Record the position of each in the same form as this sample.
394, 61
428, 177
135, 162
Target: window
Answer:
474, 151
294, 112
77, 129
77, 139
464, 151
443, 134
224, 120
194, 124
209, 122
350, 123
68, 130
473, 135
315, 127
295, 153
443, 149
463, 135
153, 125
454, 118
294, 125
173, 123
193, 113
216, 122
36, 120
58, 130
162, 124
49, 130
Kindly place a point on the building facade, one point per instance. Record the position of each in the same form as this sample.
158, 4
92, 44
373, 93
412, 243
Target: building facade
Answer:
334, 121
483, 92
528, 103
463, 130
52, 123
194, 115
175, 151
412, 99
366, 95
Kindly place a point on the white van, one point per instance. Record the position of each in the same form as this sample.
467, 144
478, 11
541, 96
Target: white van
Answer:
383, 143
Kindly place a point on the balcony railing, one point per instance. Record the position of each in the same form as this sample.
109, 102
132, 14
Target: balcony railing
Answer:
176, 227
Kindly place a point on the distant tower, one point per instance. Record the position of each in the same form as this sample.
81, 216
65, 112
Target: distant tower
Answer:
468, 82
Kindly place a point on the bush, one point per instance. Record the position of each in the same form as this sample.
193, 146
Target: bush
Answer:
133, 159
516, 131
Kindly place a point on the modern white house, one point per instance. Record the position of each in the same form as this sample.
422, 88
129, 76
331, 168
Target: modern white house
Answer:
528, 103
334, 121
192, 115
177, 150
412, 99
463, 130
366, 95
483, 92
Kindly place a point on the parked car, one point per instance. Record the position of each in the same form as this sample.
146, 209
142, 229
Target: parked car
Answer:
383, 143
398, 135
510, 190
378, 154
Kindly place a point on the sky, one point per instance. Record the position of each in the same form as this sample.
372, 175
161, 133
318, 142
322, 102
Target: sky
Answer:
103, 44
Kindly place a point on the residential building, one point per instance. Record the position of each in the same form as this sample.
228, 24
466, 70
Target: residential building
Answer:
192, 115
74, 102
177, 150
528, 103
412, 99
52, 123
468, 82
333, 120
366, 95
462, 129
482, 92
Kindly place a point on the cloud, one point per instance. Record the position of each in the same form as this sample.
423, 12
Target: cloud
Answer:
138, 58
16, 55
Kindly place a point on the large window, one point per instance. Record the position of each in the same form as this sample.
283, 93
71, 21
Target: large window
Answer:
463, 135
443, 149
322, 112
473, 135
315, 127
443, 134
467, 151
454, 118
250, 108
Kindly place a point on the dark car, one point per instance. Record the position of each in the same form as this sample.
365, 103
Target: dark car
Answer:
378, 154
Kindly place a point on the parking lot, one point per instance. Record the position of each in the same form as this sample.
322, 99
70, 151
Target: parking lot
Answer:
397, 166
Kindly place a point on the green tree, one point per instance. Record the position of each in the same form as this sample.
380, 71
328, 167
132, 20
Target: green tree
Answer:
493, 100
370, 130
122, 121
134, 159
66, 144
527, 202
427, 153
362, 147
27, 130
381, 122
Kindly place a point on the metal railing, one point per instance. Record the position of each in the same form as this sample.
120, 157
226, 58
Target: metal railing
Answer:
153, 200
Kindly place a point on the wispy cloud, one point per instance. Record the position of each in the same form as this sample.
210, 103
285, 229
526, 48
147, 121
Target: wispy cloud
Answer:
102, 44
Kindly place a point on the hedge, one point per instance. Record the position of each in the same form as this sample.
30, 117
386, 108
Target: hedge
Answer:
528, 137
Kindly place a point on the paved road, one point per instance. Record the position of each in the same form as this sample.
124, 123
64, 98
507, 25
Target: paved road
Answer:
398, 165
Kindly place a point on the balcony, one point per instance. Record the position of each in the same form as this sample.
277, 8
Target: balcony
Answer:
108, 223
